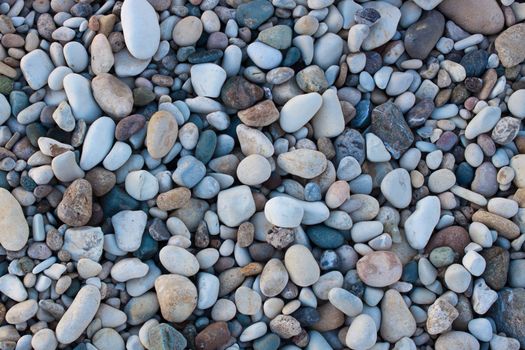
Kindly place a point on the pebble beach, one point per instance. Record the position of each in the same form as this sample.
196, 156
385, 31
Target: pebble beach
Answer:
262, 174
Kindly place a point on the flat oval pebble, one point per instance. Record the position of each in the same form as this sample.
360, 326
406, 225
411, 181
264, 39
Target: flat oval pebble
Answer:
301, 265
140, 28
14, 230
379, 269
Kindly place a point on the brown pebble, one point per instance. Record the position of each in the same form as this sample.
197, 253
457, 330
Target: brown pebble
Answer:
330, 318
76, 206
213, 337
505, 227
455, 237
116, 41
128, 126
173, 199
379, 269
285, 326
106, 24
252, 269
259, 115
101, 180
280, 237
245, 234
54, 240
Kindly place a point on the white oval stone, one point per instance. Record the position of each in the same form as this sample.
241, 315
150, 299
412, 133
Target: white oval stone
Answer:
397, 188
178, 260
299, 110
80, 98
14, 230
207, 79
420, 225
79, 315
98, 142
36, 67
141, 28
284, 212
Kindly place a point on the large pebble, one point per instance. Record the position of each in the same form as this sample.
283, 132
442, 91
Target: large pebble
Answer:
299, 110
235, 205
36, 67
177, 297
79, 315
161, 134
141, 28
379, 269
420, 225
14, 230
284, 212
301, 265
305, 163
397, 188
97, 143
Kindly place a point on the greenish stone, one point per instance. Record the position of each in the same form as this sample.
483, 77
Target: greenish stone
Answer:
26, 264
3, 180
184, 52
34, 131
205, 56
117, 200
279, 37
195, 119
27, 183
206, 146
254, 13
270, 341
18, 101
6, 85
165, 337
293, 55
142, 96
442, 256
148, 248
325, 237
73, 288
410, 272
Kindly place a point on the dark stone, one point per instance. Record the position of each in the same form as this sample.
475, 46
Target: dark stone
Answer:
165, 337
129, 126
464, 174
455, 237
363, 112
350, 143
367, 16
158, 230
475, 62
459, 94
485, 182
34, 131
213, 337
419, 114
27, 183
410, 272
6, 85
18, 101
509, 314
447, 141
205, 56
206, 146
390, 126
325, 237
269, 341
473, 84
142, 96
117, 200
81, 10
292, 57
307, 316
422, 36
254, 13
374, 62
261, 252
148, 248
239, 93
497, 269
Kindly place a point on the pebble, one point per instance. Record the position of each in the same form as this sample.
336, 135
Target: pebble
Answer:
112, 95
14, 227
379, 269
36, 67
397, 320
161, 134
140, 28
304, 163
514, 104
301, 265
299, 110
284, 212
396, 188
456, 338
362, 333
421, 223
483, 17
79, 315
235, 205
509, 53
177, 297
203, 74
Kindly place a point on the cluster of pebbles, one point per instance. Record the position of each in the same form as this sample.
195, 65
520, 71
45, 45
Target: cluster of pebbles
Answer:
247, 174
